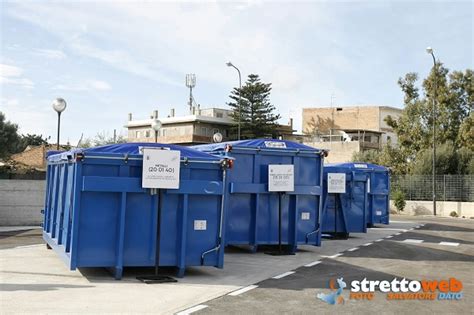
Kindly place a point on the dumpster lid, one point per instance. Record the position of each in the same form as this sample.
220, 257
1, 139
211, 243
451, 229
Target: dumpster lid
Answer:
134, 149
256, 143
358, 166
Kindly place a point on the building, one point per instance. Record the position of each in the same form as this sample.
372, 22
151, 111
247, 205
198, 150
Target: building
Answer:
347, 130
35, 156
196, 128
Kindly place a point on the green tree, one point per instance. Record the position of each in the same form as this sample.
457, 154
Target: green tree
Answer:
101, 138
257, 117
390, 156
399, 200
32, 139
466, 133
369, 156
454, 95
9, 138
449, 160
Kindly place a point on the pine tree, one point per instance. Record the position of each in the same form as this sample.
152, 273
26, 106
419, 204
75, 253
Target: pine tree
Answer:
257, 117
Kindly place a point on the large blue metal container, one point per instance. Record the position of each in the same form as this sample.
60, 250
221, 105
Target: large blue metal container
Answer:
252, 214
98, 215
345, 213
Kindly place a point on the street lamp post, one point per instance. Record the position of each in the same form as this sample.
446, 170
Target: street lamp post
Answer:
156, 126
59, 105
429, 50
229, 64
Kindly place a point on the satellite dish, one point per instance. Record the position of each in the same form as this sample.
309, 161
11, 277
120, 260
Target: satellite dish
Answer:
217, 137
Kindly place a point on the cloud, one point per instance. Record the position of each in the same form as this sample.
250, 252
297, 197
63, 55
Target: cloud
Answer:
10, 101
10, 71
51, 53
88, 85
13, 75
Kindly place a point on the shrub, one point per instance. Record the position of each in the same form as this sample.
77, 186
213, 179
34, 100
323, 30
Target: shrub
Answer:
454, 214
399, 200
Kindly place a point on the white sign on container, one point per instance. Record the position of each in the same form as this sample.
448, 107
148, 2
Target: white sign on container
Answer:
160, 168
281, 177
305, 215
200, 225
275, 144
337, 183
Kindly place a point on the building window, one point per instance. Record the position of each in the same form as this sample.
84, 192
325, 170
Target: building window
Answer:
204, 131
138, 134
227, 133
163, 132
215, 131
219, 115
147, 133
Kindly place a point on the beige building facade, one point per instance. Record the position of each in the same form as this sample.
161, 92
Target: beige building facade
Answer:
328, 120
348, 130
197, 127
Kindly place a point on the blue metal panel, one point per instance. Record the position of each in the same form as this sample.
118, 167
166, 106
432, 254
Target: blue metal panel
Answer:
346, 213
378, 197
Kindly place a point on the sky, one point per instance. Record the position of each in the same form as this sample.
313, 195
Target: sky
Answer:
111, 58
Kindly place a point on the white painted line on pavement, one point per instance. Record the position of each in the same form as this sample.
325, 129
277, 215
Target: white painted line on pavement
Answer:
410, 240
284, 275
335, 256
449, 243
243, 290
379, 240
392, 221
368, 244
390, 236
353, 249
398, 233
411, 229
314, 263
390, 229
192, 309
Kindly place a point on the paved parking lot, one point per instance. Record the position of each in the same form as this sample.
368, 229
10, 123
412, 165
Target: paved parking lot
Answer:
438, 249
33, 279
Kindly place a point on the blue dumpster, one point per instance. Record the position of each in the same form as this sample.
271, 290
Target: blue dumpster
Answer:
98, 215
378, 210
257, 216
345, 199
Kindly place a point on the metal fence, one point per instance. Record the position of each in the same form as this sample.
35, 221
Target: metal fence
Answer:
448, 187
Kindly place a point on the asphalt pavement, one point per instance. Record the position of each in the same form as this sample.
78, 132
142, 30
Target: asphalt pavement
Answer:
435, 249
35, 280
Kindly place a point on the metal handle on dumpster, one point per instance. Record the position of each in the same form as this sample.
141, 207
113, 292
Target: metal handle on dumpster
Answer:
219, 240
323, 153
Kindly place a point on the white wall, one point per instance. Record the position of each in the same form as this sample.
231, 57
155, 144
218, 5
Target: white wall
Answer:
443, 208
21, 202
